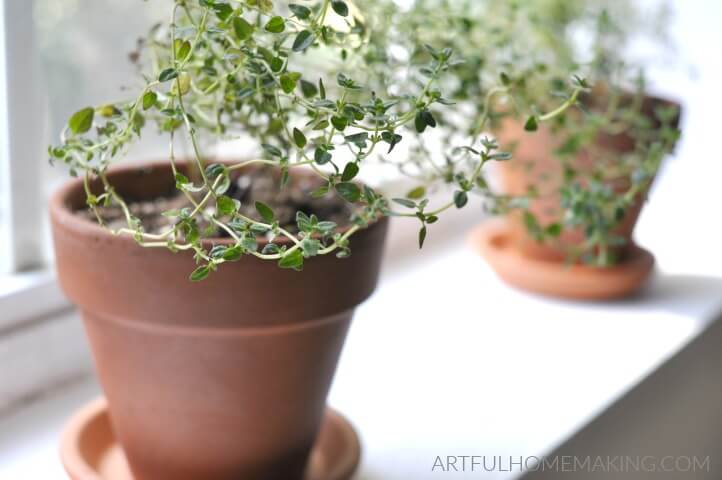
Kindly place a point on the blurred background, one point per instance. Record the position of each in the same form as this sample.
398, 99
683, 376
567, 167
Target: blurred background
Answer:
565, 377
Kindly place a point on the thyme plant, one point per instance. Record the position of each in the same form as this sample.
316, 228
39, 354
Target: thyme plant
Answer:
219, 68
518, 58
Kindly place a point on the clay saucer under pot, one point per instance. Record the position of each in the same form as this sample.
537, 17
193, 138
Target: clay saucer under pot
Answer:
90, 451
497, 244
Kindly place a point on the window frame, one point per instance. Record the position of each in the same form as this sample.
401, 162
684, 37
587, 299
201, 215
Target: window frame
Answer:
29, 291
34, 314
23, 140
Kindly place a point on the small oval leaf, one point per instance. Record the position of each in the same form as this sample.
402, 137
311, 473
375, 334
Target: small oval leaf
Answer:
349, 172
299, 138
303, 40
265, 212
349, 191
340, 7
82, 120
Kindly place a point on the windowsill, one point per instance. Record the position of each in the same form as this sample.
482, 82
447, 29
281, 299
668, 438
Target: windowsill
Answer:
42, 345
27, 298
29, 439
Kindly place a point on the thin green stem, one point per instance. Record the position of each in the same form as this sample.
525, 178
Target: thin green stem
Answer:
570, 102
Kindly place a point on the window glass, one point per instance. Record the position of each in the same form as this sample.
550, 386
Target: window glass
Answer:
84, 48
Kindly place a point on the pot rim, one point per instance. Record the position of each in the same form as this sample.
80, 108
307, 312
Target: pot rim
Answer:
60, 209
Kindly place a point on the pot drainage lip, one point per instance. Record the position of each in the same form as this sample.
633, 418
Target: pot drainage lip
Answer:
495, 241
90, 451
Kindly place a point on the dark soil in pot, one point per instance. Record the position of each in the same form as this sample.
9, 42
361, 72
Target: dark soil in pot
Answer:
217, 380
251, 185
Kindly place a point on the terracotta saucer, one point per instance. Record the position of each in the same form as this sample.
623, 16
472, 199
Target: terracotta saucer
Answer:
89, 450
579, 282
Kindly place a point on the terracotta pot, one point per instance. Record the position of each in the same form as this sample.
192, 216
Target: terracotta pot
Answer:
222, 379
535, 165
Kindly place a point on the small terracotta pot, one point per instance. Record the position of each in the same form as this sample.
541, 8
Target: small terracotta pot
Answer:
217, 380
535, 165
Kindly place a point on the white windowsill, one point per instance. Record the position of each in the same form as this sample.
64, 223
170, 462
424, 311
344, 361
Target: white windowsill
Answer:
26, 297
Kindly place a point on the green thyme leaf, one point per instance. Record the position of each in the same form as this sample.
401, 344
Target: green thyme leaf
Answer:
149, 100
292, 260
200, 273
82, 120
406, 203
417, 193
276, 25
460, 199
349, 191
226, 205
304, 39
299, 138
531, 124
265, 212
168, 74
242, 29
301, 12
340, 7
349, 172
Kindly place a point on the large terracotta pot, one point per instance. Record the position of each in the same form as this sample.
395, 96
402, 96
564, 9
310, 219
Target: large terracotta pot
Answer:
536, 165
218, 380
